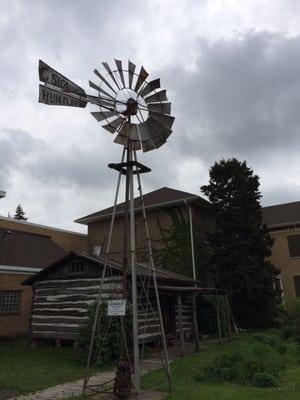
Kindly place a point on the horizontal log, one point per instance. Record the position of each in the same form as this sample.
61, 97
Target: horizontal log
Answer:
60, 312
78, 297
107, 288
53, 335
55, 328
149, 329
70, 282
67, 304
59, 319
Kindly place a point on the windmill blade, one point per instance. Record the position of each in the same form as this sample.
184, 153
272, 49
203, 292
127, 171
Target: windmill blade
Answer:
108, 104
131, 69
150, 87
120, 70
144, 132
148, 145
100, 76
49, 75
154, 98
113, 126
100, 116
165, 120
158, 132
128, 132
123, 140
107, 67
143, 75
163, 108
100, 90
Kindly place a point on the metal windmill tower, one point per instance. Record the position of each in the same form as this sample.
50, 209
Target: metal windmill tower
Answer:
137, 112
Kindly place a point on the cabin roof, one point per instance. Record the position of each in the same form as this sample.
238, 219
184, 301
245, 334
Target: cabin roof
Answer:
160, 198
24, 249
142, 269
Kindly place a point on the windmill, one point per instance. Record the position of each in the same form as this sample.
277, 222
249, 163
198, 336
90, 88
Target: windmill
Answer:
137, 112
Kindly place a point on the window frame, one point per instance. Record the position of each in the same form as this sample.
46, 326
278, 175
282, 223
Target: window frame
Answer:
17, 302
288, 243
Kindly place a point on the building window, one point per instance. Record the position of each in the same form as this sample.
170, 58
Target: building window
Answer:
297, 285
10, 301
294, 245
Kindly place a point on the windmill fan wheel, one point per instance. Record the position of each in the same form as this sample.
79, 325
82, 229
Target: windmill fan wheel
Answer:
133, 108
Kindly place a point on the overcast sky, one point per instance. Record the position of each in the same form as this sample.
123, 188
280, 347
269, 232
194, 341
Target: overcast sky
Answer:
231, 68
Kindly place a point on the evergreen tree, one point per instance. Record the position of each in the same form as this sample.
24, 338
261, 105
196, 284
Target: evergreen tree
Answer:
20, 213
241, 244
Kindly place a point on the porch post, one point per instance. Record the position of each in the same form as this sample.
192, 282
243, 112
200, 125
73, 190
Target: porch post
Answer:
180, 324
228, 316
195, 322
218, 319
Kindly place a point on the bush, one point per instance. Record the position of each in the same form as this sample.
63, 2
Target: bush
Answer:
250, 364
207, 315
108, 340
290, 323
263, 379
272, 341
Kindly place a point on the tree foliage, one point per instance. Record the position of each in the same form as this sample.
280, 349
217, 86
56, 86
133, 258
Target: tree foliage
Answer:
20, 213
175, 254
241, 244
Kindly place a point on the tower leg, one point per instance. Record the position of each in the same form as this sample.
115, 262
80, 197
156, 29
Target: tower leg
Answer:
162, 329
135, 333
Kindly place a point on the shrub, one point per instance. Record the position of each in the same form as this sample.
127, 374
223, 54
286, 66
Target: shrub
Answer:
207, 315
272, 341
263, 379
108, 341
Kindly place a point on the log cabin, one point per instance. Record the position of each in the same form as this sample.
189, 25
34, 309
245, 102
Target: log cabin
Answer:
63, 292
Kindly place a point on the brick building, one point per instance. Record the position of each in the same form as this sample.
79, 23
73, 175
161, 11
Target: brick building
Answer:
25, 249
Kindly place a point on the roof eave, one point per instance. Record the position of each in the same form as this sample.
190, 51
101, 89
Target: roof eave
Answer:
88, 219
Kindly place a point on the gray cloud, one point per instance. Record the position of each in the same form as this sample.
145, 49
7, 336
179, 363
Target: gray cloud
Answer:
232, 75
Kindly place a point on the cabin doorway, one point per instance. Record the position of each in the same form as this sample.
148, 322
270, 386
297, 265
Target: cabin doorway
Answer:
168, 307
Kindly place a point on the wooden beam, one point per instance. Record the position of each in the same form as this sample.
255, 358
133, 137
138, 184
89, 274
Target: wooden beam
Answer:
180, 324
227, 310
218, 319
195, 323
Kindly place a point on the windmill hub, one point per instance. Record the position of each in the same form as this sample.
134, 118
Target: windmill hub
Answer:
131, 107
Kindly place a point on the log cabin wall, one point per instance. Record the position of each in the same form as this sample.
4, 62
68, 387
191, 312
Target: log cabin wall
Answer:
187, 317
61, 305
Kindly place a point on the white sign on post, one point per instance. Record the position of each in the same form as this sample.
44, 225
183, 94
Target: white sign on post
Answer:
116, 308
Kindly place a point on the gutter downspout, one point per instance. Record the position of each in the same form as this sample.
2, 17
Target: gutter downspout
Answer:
192, 240
195, 322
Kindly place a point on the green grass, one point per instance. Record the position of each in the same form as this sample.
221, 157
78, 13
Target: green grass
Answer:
185, 386
24, 369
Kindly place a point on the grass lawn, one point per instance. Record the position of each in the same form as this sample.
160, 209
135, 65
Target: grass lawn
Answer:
185, 386
24, 369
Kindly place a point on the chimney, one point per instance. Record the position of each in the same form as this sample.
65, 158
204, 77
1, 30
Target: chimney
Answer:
97, 250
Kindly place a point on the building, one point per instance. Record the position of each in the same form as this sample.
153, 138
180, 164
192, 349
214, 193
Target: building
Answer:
283, 221
26, 248
162, 206
21, 255
63, 292
67, 240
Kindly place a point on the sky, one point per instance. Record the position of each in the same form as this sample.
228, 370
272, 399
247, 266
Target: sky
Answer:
231, 69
